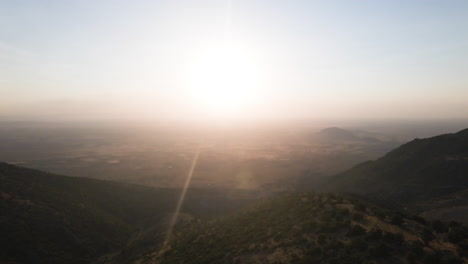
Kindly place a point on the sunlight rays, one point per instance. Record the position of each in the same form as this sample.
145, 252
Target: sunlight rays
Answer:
182, 197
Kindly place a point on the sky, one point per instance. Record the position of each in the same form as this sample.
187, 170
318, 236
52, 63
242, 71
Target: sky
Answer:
233, 59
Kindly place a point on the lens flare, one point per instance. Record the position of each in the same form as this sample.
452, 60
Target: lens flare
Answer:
182, 197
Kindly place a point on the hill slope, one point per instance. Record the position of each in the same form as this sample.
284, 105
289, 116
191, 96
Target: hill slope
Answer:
310, 228
419, 170
47, 218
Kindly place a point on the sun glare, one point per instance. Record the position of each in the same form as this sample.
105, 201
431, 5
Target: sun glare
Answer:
224, 80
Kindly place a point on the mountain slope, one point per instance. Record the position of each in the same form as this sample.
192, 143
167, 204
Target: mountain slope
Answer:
309, 228
417, 171
47, 218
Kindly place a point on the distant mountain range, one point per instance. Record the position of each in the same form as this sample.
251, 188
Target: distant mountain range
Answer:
339, 135
335, 133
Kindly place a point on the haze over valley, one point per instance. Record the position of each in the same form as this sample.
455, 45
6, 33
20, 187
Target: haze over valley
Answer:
268, 157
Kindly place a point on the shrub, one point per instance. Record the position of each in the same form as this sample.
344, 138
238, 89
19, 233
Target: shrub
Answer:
327, 227
309, 226
416, 249
453, 260
333, 261
397, 220
360, 207
427, 235
359, 244
411, 257
356, 230
379, 214
357, 217
344, 212
399, 238
462, 249
321, 239
379, 251
438, 226
347, 222
394, 237
419, 219
336, 244
457, 234
432, 258
375, 234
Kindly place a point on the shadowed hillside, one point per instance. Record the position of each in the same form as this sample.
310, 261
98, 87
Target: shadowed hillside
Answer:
416, 172
47, 218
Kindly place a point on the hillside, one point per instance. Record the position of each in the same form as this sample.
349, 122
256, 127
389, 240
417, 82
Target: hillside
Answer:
421, 170
310, 228
47, 218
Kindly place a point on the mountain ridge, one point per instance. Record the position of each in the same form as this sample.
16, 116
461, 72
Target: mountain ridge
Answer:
419, 170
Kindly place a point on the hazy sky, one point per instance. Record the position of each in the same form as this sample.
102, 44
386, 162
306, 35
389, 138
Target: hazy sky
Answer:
239, 58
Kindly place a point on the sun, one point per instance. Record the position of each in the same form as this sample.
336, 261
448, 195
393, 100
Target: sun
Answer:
224, 80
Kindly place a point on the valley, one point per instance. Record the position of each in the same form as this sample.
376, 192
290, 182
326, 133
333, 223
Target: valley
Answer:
365, 214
